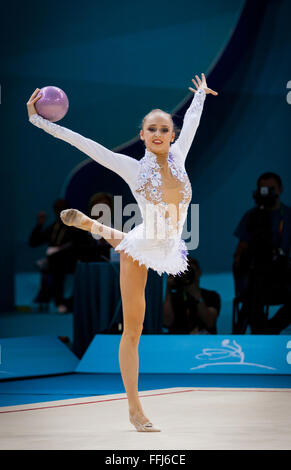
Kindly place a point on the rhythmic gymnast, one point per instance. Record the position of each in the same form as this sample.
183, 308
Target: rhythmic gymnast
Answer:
158, 181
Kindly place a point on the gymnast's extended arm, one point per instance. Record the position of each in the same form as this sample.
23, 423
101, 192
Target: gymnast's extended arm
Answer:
192, 117
123, 165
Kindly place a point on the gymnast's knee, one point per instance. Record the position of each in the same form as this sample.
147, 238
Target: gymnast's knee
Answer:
133, 333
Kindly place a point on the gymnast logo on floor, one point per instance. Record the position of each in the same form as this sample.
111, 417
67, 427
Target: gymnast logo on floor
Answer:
217, 356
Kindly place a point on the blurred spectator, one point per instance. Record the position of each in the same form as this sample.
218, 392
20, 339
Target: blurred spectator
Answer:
60, 257
261, 265
189, 308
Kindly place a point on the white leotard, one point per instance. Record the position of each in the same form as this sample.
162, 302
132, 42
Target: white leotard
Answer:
156, 242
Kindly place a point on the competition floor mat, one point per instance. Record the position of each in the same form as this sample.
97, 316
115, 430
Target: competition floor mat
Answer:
189, 418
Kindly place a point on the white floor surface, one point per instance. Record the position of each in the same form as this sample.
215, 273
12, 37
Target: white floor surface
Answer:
189, 418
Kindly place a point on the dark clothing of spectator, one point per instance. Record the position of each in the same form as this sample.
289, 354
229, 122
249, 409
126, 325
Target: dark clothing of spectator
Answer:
283, 240
268, 281
185, 311
57, 235
90, 249
56, 265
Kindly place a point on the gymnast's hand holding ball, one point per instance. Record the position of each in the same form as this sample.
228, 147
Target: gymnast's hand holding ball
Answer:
50, 102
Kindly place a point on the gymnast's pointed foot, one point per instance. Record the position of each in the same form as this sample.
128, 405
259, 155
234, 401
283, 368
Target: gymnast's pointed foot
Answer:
75, 218
141, 423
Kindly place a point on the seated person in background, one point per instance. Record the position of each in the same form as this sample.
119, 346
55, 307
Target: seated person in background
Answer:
189, 308
60, 257
89, 248
261, 265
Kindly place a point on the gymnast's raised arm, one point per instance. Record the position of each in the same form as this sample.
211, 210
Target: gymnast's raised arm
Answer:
123, 165
192, 116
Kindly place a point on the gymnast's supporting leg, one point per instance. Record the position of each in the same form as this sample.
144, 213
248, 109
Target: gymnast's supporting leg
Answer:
133, 278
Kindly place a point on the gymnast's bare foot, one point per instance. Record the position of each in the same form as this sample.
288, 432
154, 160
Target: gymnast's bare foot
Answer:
75, 218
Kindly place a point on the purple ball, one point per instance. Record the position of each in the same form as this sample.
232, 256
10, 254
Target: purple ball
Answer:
53, 104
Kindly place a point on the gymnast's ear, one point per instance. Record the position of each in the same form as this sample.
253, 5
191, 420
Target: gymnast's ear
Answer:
141, 134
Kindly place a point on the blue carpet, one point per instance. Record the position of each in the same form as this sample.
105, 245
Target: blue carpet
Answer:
20, 392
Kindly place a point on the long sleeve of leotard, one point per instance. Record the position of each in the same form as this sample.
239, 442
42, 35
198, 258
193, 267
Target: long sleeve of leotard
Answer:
190, 124
125, 166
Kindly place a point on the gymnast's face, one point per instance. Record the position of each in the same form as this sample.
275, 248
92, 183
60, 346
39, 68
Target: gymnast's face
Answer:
157, 133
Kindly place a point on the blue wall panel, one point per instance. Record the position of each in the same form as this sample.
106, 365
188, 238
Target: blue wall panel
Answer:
202, 354
34, 356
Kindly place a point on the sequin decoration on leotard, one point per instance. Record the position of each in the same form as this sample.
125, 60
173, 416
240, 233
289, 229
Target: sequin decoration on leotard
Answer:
168, 205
